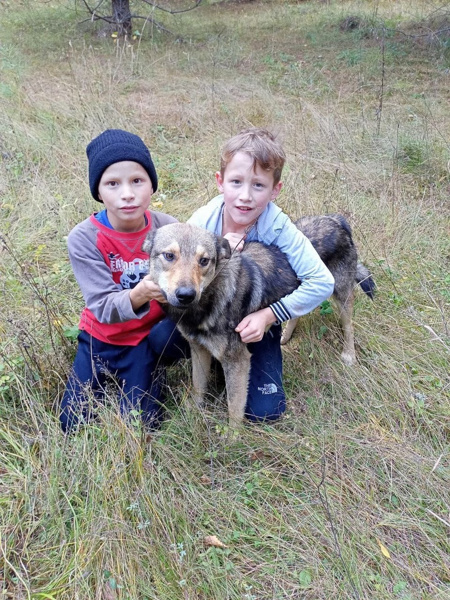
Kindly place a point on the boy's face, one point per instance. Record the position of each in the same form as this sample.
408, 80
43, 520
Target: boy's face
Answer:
247, 190
126, 190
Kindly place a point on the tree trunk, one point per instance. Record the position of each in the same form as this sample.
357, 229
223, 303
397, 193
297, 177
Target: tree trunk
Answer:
122, 16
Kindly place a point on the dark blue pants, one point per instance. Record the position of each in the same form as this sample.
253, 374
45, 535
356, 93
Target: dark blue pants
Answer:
139, 372
132, 368
266, 399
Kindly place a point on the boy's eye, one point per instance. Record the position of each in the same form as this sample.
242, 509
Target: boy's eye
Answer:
258, 186
204, 262
169, 256
137, 180
111, 183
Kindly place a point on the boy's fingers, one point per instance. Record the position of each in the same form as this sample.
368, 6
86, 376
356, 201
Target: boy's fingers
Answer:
242, 325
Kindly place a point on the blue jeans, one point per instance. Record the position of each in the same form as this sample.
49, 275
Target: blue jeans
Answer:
266, 399
133, 368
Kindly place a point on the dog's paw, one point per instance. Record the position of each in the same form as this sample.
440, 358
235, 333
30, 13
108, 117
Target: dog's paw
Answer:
348, 359
199, 401
284, 339
234, 427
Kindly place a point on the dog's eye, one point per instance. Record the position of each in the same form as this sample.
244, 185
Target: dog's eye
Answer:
169, 256
203, 262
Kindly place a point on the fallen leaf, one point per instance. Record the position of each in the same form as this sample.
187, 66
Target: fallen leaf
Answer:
213, 540
258, 455
383, 549
205, 480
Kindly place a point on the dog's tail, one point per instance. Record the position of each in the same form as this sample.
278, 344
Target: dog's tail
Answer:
365, 280
363, 275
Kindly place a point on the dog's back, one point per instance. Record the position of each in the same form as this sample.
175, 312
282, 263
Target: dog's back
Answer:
331, 236
265, 276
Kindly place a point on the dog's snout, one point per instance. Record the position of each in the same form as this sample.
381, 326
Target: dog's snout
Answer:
185, 295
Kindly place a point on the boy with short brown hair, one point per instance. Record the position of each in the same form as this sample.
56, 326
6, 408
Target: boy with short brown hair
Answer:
249, 182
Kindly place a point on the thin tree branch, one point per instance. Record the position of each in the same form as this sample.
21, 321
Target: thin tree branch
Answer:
419, 35
170, 11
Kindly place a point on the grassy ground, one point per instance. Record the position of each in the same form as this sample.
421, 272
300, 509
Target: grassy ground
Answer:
348, 495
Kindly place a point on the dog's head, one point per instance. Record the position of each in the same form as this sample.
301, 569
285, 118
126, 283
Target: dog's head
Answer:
183, 260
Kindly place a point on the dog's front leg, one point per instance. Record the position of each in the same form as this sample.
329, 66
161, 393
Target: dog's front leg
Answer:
237, 375
201, 365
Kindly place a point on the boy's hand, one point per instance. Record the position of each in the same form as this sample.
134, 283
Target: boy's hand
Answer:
145, 291
253, 326
236, 240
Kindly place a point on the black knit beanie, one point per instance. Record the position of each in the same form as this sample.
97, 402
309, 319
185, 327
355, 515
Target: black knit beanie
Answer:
116, 145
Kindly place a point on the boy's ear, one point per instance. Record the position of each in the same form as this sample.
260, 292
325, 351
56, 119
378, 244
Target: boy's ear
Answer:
276, 190
223, 248
219, 181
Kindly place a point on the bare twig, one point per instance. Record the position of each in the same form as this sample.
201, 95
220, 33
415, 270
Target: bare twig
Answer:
381, 93
322, 491
171, 11
430, 33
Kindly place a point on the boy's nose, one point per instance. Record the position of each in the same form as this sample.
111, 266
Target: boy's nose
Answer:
127, 191
246, 192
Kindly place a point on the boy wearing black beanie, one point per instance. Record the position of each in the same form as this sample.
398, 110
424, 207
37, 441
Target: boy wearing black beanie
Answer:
122, 304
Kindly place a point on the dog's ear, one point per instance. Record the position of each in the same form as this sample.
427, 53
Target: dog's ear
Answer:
148, 242
223, 248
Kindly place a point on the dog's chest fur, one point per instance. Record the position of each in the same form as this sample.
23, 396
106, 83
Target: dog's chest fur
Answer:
244, 283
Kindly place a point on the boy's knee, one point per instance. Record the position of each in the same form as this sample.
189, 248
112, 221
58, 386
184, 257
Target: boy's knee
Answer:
265, 410
167, 342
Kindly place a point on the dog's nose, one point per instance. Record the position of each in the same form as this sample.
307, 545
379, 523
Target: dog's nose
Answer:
185, 295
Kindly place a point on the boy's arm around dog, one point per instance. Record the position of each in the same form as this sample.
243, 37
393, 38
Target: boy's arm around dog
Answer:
105, 298
274, 227
317, 283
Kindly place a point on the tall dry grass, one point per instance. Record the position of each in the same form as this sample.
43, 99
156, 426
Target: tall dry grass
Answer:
348, 495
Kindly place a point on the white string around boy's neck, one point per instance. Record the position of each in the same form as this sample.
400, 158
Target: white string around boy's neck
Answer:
250, 227
246, 230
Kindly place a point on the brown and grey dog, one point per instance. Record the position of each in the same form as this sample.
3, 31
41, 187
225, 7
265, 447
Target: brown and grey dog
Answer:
209, 290
331, 236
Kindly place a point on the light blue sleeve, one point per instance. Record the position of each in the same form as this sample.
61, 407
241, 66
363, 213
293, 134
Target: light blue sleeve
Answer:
275, 227
209, 216
317, 283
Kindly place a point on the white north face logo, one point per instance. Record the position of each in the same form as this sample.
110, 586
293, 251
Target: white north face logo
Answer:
268, 388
